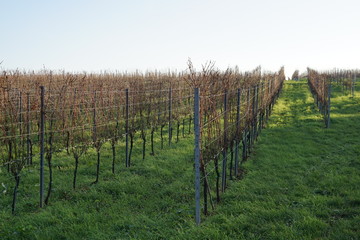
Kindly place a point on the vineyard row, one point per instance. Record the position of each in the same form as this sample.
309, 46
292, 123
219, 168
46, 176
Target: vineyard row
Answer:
46, 113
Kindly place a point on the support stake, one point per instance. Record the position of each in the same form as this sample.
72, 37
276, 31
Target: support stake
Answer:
42, 137
197, 153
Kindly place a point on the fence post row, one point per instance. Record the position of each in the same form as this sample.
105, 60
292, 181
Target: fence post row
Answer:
197, 153
42, 137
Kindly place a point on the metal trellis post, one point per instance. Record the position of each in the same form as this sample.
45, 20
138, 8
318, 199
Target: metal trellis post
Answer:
237, 133
224, 163
197, 153
42, 137
127, 163
170, 115
329, 106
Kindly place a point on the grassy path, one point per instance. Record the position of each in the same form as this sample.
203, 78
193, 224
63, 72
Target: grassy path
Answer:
303, 181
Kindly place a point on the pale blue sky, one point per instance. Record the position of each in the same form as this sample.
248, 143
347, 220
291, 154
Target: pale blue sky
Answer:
90, 35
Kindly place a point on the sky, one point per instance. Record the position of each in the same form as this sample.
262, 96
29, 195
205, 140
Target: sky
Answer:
125, 35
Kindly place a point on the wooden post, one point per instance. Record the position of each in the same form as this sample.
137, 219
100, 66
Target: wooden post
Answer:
197, 153
42, 138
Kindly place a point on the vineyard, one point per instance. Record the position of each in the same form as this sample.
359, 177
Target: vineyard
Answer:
43, 114
59, 125
320, 87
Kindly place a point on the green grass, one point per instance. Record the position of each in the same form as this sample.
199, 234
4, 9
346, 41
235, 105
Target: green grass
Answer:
150, 200
301, 182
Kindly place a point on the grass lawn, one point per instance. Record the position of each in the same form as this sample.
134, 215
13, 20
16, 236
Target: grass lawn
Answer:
302, 182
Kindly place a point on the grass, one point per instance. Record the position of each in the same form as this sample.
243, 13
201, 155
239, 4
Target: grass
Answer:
147, 201
301, 182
